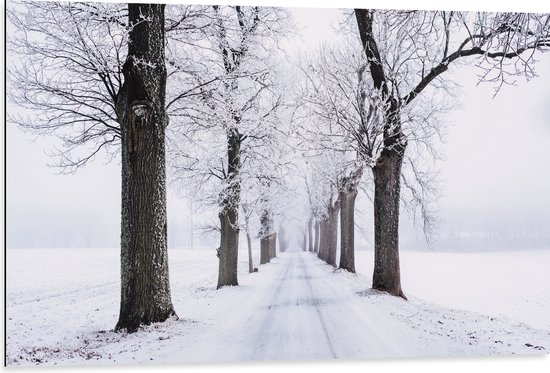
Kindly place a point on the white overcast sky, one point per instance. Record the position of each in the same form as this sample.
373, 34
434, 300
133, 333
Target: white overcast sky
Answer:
496, 161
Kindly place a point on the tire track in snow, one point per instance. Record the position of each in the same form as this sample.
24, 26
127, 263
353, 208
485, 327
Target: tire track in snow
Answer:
311, 314
290, 321
258, 349
307, 279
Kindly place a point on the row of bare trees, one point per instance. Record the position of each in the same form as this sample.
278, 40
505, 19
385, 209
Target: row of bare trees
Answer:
196, 95
110, 76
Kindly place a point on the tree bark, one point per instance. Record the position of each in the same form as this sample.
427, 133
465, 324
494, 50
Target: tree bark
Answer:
387, 171
310, 234
273, 245
282, 240
317, 238
347, 229
387, 187
324, 239
321, 239
248, 239
145, 286
229, 216
333, 233
266, 237
265, 244
250, 260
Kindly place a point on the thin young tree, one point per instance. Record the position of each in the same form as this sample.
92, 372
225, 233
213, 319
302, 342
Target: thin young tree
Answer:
309, 233
247, 212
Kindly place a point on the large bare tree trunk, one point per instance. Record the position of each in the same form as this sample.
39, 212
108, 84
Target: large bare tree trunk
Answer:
229, 216
310, 234
387, 187
333, 233
347, 229
387, 171
145, 287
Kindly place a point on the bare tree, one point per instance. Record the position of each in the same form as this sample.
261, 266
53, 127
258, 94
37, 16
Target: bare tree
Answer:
317, 229
310, 234
268, 237
247, 212
283, 240
233, 53
87, 76
408, 53
232, 114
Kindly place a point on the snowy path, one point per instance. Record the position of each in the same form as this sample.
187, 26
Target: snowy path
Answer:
304, 315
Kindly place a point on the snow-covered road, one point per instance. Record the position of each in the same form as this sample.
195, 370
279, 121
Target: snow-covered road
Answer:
62, 306
304, 314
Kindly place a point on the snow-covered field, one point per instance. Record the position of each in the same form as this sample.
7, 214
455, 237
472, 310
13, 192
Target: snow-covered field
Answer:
62, 305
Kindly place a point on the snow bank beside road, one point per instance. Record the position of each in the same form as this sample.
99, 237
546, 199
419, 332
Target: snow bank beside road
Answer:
503, 284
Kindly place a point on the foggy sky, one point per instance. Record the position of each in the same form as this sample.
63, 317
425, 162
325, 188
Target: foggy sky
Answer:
495, 172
